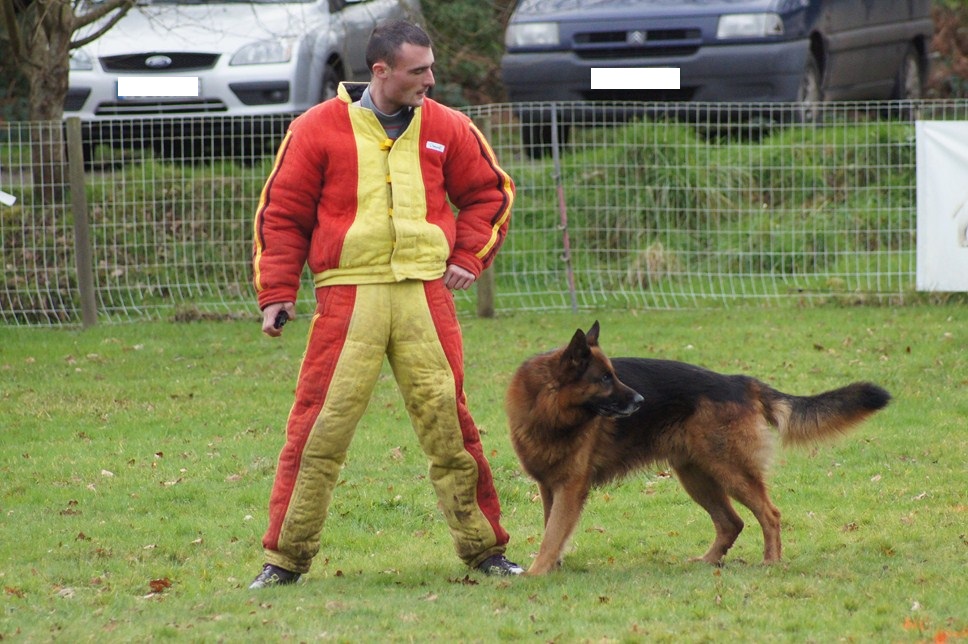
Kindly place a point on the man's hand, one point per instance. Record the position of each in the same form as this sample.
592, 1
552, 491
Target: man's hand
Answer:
271, 312
457, 278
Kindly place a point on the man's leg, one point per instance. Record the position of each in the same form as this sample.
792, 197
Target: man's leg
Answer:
344, 355
426, 354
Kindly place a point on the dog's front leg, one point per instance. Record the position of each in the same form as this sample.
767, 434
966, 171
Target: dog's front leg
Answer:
562, 518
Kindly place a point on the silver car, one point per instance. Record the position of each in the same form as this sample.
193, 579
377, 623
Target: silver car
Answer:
204, 58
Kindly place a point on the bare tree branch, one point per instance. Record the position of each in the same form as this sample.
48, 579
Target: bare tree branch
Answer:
119, 7
12, 27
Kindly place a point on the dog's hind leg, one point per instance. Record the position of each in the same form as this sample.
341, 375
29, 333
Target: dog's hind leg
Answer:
547, 500
707, 492
563, 515
751, 492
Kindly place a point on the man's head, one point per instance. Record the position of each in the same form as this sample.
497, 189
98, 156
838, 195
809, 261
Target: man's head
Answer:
401, 59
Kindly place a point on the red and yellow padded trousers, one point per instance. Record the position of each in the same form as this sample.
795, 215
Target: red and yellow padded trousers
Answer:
414, 324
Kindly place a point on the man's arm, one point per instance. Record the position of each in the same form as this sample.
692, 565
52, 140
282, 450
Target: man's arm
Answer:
285, 218
483, 193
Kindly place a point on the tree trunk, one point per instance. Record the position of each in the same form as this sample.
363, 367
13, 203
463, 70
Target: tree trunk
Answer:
48, 60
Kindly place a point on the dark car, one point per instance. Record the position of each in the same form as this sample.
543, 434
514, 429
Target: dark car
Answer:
768, 51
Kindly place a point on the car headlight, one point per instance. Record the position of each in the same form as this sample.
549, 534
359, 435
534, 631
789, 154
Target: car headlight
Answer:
80, 60
263, 52
749, 25
531, 34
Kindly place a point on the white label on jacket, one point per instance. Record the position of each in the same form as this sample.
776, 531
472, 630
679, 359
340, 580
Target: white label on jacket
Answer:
437, 147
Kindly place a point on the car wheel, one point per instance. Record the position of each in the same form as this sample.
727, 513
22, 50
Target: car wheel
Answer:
908, 85
330, 85
810, 92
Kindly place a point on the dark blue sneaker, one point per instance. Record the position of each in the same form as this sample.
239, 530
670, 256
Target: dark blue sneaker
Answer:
499, 566
274, 576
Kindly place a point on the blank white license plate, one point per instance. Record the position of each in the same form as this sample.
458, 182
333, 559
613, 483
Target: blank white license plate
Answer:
158, 87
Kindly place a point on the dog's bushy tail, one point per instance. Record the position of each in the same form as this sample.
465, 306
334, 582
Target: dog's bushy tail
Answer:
806, 419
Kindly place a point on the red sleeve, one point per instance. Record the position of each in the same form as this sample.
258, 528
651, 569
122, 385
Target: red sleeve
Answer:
286, 215
483, 194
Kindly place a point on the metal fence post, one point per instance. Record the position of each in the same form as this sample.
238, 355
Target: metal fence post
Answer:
562, 208
82, 226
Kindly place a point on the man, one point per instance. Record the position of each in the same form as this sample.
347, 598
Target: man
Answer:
360, 191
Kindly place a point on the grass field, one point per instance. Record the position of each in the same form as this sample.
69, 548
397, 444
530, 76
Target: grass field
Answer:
138, 458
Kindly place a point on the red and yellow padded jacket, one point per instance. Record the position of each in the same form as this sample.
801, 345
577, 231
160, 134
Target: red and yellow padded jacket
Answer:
363, 209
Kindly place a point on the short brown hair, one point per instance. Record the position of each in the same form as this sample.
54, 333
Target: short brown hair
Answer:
388, 37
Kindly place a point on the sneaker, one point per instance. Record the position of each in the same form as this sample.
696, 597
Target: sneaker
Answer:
499, 566
274, 576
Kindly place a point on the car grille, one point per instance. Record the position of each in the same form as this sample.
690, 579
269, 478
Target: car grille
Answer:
180, 61
164, 108
653, 43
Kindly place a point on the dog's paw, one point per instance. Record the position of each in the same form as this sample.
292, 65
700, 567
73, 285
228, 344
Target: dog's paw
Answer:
718, 563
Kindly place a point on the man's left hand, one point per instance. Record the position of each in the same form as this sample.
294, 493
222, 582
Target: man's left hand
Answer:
457, 278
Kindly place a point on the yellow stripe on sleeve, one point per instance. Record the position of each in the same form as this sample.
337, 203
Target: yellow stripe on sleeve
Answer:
506, 188
263, 200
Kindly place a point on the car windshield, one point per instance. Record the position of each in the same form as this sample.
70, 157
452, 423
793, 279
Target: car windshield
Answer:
192, 2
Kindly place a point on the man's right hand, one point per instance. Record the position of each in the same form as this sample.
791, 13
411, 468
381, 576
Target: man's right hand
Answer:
271, 312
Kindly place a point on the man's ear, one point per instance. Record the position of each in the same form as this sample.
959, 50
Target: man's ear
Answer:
380, 69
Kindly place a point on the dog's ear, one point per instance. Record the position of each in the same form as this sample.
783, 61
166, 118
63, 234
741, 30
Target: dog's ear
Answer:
575, 357
592, 335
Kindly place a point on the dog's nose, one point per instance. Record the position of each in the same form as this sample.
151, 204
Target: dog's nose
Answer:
635, 403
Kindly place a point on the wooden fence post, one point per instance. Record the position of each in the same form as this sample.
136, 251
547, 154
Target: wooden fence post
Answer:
82, 225
486, 282
485, 293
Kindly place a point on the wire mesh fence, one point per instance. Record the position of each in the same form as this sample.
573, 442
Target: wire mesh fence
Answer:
618, 205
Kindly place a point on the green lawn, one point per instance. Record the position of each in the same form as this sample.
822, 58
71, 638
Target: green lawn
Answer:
138, 458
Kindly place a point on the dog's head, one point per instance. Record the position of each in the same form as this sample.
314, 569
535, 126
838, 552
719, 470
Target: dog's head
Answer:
587, 373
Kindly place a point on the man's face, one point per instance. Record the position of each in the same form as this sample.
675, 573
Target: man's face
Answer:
405, 84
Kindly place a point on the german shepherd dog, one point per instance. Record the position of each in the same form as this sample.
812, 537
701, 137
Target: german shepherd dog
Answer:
578, 420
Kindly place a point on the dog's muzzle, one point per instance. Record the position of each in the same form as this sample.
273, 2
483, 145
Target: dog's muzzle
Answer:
614, 409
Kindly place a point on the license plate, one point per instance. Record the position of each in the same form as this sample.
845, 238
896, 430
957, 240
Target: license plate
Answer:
158, 87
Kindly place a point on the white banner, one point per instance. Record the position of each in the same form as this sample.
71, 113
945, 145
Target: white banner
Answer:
942, 183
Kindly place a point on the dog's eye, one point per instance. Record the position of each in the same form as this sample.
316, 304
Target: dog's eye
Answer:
607, 378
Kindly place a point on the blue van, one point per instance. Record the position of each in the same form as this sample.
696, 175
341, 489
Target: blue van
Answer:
769, 51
